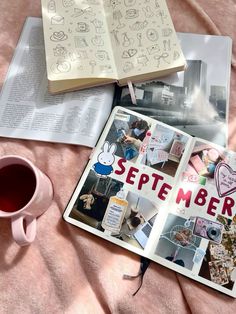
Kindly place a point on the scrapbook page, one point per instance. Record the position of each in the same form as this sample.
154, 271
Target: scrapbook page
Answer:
97, 42
162, 194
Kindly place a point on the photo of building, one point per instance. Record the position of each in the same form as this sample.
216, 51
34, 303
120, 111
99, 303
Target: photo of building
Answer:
194, 100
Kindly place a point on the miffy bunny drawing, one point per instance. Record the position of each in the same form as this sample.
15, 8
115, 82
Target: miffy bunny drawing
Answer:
105, 160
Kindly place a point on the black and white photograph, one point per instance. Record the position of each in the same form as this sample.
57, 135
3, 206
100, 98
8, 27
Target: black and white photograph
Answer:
195, 100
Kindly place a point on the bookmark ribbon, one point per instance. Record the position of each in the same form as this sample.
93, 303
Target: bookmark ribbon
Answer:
144, 263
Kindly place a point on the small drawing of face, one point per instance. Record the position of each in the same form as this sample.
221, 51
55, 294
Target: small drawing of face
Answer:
106, 160
114, 3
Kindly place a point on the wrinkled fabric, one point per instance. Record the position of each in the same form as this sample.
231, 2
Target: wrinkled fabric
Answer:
66, 269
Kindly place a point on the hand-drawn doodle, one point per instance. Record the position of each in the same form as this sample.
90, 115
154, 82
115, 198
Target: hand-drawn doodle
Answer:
176, 55
117, 16
115, 32
91, 2
82, 54
59, 51
80, 42
92, 63
129, 3
139, 37
102, 55
143, 60
131, 14
139, 26
98, 24
58, 36
157, 5
97, 41
57, 20
82, 27
78, 12
128, 66
166, 32
106, 68
61, 66
51, 6
163, 57
152, 34
72, 56
166, 44
78, 55
68, 3
162, 15
126, 40
153, 49
148, 11
129, 53
114, 3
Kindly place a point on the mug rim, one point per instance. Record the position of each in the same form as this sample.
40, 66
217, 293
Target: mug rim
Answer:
25, 162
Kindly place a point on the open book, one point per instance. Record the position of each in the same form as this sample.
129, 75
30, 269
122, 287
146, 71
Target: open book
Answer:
162, 194
95, 42
180, 100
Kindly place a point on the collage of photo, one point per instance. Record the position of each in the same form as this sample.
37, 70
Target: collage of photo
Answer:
181, 243
105, 203
208, 242
142, 190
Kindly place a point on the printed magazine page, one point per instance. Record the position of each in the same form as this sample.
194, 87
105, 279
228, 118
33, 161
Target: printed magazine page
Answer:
163, 194
196, 100
28, 111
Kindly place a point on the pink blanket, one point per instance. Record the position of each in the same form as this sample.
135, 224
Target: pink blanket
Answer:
67, 270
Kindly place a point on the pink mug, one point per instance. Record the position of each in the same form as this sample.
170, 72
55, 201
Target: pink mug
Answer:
25, 194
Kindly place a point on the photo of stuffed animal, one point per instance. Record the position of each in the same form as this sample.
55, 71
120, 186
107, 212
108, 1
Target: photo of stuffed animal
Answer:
88, 200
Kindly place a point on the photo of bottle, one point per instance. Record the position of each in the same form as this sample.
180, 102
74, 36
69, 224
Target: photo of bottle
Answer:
115, 213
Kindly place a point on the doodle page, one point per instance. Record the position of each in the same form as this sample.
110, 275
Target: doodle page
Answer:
76, 40
94, 42
143, 37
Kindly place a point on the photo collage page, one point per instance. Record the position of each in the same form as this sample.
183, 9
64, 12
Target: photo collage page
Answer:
199, 233
129, 176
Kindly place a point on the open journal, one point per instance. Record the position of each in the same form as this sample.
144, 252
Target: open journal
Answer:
162, 194
180, 100
95, 42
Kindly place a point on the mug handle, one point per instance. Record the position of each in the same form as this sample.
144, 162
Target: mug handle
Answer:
23, 234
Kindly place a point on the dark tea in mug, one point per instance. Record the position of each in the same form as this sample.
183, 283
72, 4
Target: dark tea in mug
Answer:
17, 186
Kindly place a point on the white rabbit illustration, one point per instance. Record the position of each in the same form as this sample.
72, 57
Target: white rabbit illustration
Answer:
105, 160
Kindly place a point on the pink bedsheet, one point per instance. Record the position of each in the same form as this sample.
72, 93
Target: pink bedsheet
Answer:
67, 270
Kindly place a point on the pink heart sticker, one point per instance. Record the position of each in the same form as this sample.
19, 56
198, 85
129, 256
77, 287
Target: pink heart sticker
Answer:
225, 179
